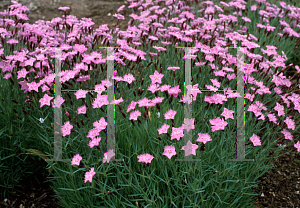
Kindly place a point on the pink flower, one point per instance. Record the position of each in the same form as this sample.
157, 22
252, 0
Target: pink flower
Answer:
203, 138
211, 88
290, 123
83, 78
280, 109
209, 10
134, 115
272, 117
246, 19
297, 105
231, 94
194, 90
250, 97
118, 78
157, 100
106, 83
173, 68
63, 8
255, 140
190, 148
145, 158
128, 78
22, 73
121, 8
170, 114
174, 91
219, 98
66, 128
89, 175
262, 117
188, 124
297, 68
297, 145
153, 88
131, 106
253, 8
116, 102
119, 16
7, 76
108, 155
82, 110
45, 88
219, 124
145, 102
186, 99
257, 108
277, 80
94, 142
76, 160
79, 48
177, 133
164, 88
100, 101
99, 88
227, 113
164, 129
219, 73
169, 151
215, 82
157, 48
12, 41
57, 102
45, 100
24, 86
93, 133
33, 86
156, 78
287, 134
29, 62
230, 76
81, 94
100, 125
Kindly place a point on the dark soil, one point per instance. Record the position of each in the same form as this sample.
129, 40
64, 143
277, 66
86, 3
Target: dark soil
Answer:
278, 187
36, 193
97, 10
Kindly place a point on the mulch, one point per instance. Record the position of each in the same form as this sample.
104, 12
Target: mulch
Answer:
36, 192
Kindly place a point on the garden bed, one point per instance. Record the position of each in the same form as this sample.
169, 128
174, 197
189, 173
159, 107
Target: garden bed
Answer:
278, 187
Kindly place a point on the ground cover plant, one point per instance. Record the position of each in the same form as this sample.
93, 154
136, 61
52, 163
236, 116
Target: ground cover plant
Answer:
150, 93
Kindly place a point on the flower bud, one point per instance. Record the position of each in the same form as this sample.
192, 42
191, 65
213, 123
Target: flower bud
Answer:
132, 122
25, 112
14, 101
139, 121
76, 122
